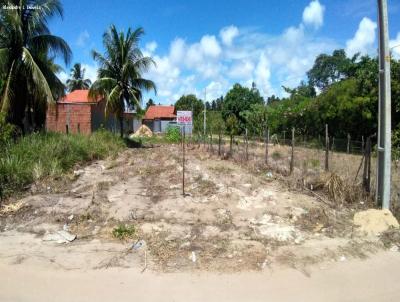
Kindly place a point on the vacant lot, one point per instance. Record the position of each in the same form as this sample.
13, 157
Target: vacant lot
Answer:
130, 212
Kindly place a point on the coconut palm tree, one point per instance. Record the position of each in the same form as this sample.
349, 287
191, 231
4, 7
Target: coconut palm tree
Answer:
120, 79
77, 80
27, 51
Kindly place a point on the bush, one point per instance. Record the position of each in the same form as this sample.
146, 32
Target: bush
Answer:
173, 134
276, 155
123, 232
6, 131
41, 155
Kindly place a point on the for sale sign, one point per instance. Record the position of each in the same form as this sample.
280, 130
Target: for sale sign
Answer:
184, 117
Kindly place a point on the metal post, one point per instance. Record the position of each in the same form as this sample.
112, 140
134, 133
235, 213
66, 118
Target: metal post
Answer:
183, 160
384, 111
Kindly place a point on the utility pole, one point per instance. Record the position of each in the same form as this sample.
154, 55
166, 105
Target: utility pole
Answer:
384, 111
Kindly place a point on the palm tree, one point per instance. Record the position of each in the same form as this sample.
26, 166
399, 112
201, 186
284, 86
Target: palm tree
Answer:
77, 80
27, 51
120, 73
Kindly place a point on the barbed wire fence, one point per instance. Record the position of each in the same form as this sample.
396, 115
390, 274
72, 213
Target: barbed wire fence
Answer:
290, 153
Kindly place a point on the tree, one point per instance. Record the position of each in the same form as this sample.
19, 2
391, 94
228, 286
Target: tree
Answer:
120, 79
256, 119
149, 103
27, 51
328, 69
77, 79
240, 99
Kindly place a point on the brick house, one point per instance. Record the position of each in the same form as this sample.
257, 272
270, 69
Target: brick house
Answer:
77, 113
158, 117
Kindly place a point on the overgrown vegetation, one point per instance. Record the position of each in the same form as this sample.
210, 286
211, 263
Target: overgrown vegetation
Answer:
42, 155
123, 231
173, 134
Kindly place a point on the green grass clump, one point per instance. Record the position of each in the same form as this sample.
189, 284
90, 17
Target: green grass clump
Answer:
42, 155
122, 231
276, 155
173, 134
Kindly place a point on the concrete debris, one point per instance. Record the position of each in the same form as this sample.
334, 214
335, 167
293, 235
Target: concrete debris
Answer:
70, 217
373, 222
138, 245
394, 248
60, 237
193, 256
78, 172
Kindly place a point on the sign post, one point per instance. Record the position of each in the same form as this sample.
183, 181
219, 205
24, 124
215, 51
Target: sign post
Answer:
185, 120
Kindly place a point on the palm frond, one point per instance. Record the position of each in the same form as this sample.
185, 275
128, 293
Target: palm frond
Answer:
38, 78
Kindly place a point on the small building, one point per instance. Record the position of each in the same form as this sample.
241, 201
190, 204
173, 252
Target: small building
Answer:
159, 117
77, 113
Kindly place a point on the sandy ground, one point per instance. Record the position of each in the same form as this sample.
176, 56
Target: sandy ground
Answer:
237, 232
375, 279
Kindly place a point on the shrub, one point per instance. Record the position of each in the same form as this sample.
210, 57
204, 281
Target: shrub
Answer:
173, 134
123, 231
41, 155
6, 131
276, 155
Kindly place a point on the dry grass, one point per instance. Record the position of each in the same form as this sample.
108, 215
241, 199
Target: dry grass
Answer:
341, 184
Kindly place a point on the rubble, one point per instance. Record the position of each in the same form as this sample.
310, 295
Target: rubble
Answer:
373, 222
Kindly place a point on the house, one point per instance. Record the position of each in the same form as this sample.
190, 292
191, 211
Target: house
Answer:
77, 113
158, 117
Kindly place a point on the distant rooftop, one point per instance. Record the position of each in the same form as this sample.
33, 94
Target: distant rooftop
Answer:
159, 111
78, 96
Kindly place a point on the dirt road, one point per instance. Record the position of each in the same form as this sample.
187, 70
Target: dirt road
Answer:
375, 279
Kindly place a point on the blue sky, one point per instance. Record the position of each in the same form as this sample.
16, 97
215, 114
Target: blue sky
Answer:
214, 44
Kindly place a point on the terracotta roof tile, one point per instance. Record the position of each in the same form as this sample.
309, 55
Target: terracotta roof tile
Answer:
78, 96
158, 111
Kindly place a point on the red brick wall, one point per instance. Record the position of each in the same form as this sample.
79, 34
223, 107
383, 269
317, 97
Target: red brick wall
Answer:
74, 115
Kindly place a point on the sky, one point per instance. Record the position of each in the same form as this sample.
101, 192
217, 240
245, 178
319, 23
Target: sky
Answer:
204, 47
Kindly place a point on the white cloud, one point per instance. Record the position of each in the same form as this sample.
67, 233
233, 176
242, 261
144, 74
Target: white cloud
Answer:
241, 55
63, 76
210, 46
242, 70
83, 38
313, 14
151, 46
177, 50
395, 46
228, 33
90, 71
364, 38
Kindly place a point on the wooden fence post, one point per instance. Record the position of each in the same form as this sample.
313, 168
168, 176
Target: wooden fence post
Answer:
367, 166
348, 143
266, 145
362, 144
246, 141
292, 157
219, 143
326, 148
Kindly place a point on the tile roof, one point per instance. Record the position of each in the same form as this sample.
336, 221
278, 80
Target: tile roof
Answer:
78, 96
158, 111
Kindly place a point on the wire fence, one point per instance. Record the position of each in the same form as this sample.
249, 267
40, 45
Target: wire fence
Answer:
305, 159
